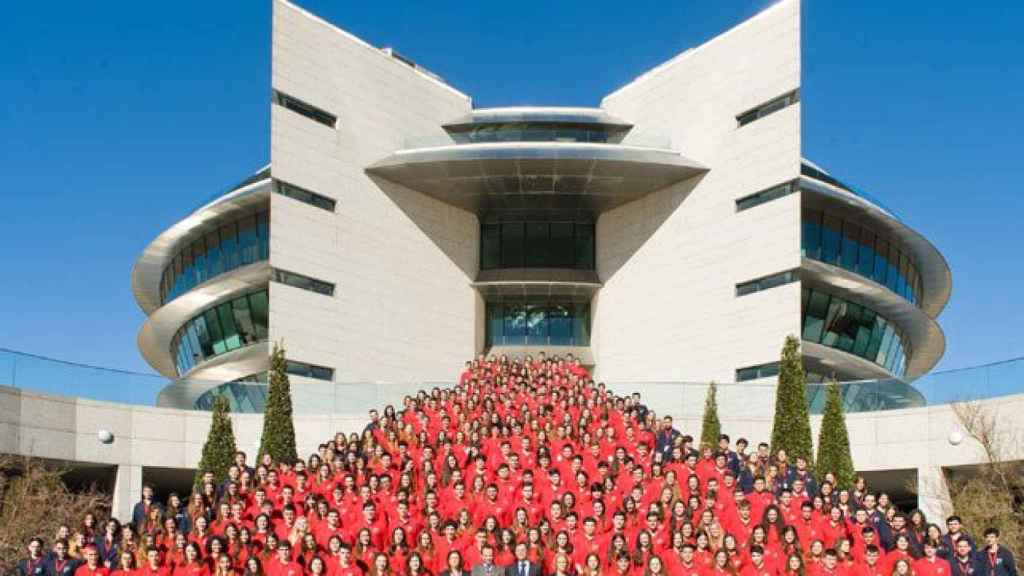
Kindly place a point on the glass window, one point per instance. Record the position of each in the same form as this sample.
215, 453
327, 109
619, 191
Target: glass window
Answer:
584, 252
851, 242
204, 337
537, 244
881, 266
512, 244
187, 272
515, 323
305, 109
866, 254
247, 240
560, 325
263, 231
232, 340
199, 260
833, 326
243, 320
814, 320
811, 241
216, 334
893, 265
490, 246
536, 324
229, 246
831, 233
259, 307
864, 328
214, 263
560, 247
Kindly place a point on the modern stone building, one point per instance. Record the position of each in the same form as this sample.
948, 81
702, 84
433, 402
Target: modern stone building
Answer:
674, 232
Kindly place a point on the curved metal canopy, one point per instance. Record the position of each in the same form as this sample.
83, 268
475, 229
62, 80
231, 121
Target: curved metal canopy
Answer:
927, 341
557, 176
935, 275
148, 269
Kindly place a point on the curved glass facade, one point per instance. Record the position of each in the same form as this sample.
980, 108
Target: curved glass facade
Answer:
248, 394
838, 323
839, 242
220, 329
536, 132
538, 322
237, 243
533, 244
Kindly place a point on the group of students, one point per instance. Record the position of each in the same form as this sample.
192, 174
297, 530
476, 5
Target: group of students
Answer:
523, 468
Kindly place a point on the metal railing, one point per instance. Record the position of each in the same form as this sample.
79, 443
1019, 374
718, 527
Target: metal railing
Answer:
754, 399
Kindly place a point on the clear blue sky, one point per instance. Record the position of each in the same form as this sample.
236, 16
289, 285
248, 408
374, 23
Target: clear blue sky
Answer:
120, 117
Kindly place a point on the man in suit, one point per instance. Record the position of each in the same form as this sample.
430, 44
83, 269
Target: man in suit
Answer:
522, 566
486, 566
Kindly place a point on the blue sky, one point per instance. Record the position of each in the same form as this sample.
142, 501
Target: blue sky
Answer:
120, 117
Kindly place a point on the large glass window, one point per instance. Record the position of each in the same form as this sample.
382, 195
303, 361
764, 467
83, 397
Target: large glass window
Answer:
537, 244
838, 323
536, 132
861, 251
222, 328
538, 322
236, 243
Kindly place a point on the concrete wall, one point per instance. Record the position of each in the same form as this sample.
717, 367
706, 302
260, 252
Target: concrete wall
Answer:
65, 428
670, 261
402, 263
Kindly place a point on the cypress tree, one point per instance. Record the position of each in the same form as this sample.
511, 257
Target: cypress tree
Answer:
711, 428
219, 449
834, 440
791, 429
278, 437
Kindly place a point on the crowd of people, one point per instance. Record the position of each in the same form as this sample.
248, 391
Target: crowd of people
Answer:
523, 468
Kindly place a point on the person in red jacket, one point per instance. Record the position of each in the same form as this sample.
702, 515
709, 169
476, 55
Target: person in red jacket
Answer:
92, 566
282, 564
757, 565
153, 566
931, 564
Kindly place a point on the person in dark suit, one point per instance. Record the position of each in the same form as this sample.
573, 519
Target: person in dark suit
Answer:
522, 565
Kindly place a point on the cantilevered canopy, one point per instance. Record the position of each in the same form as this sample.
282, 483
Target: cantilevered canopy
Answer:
560, 176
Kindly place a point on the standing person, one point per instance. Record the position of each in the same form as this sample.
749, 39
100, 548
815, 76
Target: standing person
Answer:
91, 566
60, 564
142, 508
522, 565
930, 564
486, 566
453, 564
966, 562
666, 437
955, 531
153, 566
33, 565
997, 560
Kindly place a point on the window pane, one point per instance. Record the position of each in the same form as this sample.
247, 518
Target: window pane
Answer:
851, 241
881, 266
199, 260
227, 324
836, 308
560, 249
866, 256
584, 246
490, 246
214, 263
536, 324
814, 320
243, 321
229, 246
536, 244
203, 335
512, 244
216, 334
247, 241
263, 231
811, 240
515, 323
259, 308
560, 325
830, 236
